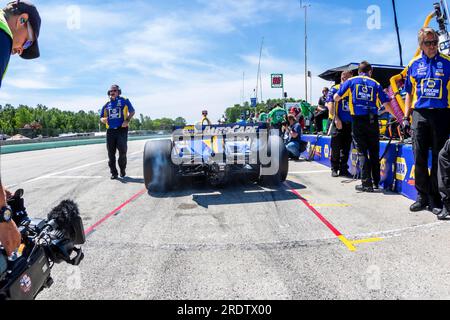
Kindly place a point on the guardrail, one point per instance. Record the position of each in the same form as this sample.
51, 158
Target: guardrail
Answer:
64, 143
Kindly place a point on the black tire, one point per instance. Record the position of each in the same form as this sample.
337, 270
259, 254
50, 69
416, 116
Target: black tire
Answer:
159, 170
279, 160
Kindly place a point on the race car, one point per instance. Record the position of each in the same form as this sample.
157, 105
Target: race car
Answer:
218, 152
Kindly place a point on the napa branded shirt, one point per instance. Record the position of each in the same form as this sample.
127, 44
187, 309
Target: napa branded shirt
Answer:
117, 112
428, 81
343, 105
364, 94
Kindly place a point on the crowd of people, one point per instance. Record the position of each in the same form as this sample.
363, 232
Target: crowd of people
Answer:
354, 109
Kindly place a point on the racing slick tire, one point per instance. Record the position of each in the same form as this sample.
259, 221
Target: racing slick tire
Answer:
159, 170
279, 160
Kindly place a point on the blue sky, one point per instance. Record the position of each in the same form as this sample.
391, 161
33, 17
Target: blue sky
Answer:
175, 58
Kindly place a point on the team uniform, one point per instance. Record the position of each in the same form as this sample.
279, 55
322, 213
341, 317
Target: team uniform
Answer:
263, 117
277, 116
428, 81
365, 95
117, 111
341, 141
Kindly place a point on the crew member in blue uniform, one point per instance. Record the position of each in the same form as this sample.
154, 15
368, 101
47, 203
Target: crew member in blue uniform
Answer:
365, 96
341, 140
428, 101
116, 114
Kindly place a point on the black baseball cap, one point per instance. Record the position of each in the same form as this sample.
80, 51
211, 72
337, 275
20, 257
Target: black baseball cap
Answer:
35, 21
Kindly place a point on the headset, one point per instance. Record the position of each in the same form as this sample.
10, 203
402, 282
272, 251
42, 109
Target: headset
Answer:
115, 86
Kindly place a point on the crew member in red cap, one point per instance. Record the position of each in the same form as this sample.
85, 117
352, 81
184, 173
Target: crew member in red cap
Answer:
19, 30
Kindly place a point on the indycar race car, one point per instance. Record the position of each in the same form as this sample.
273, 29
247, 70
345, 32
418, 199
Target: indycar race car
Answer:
217, 152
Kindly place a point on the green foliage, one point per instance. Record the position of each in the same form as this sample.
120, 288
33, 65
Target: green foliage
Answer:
52, 122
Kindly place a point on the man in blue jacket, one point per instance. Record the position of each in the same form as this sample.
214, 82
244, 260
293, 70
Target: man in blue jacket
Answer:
365, 96
428, 102
116, 114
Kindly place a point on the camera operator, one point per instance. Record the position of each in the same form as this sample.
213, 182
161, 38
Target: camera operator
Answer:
9, 235
295, 133
19, 30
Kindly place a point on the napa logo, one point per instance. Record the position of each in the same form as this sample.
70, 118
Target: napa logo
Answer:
326, 151
402, 169
431, 84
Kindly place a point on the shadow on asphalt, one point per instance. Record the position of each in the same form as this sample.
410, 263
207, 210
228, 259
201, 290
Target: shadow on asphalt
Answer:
128, 180
233, 193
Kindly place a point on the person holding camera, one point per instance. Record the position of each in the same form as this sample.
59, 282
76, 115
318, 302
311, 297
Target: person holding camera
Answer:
20, 24
294, 132
116, 114
277, 118
365, 94
428, 101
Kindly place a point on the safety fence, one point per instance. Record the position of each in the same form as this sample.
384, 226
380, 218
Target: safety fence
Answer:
7, 149
397, 165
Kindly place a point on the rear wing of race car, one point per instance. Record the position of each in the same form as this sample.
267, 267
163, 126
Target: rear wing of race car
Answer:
219, 143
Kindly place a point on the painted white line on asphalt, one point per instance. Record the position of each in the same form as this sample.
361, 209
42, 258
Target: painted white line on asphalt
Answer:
397, 232
74, 177
306, 172
65, 171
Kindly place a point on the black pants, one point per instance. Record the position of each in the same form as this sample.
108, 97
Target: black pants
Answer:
318, 120
341, 143
430, 130
366, 135
444, 174
117, 139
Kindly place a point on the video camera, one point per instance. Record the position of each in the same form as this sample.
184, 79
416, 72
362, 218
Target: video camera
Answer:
44, 243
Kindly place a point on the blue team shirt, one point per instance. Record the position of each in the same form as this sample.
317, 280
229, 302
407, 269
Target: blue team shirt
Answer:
343, 105
428, 81
5, 53
116, 111
365, 95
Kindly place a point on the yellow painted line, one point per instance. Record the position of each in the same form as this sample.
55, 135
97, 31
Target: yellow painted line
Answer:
347, 243
370, 240
329, 205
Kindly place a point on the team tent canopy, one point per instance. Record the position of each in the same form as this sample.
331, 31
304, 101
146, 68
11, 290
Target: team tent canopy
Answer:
382, 73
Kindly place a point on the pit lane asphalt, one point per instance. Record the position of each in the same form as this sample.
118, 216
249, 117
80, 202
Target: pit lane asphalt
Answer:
241, 242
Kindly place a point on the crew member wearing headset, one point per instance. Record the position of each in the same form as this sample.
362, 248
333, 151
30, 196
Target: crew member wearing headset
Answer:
116, 114
20, 24
428, 101
365, 96
205, 120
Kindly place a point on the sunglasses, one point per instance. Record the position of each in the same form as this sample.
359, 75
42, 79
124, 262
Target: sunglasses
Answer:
433, 43
30, 39
114, 90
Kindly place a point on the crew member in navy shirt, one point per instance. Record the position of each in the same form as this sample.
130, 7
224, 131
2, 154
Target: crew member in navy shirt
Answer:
116, 114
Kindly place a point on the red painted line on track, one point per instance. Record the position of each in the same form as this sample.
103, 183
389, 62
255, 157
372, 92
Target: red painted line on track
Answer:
314, 210
112, 213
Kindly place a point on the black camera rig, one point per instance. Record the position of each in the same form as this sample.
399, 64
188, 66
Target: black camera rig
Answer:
44, 243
